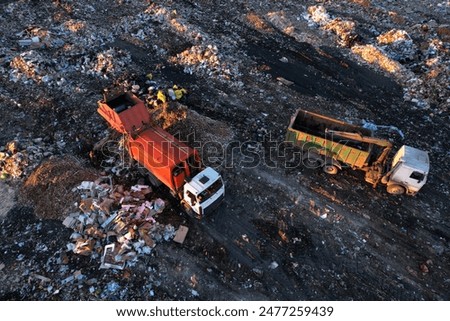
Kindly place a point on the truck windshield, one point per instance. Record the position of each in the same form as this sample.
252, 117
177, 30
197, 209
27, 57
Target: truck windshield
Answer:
211, 190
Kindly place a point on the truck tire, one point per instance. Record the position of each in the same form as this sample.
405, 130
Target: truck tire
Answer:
330, 169
312, 161
395, 189
187, 209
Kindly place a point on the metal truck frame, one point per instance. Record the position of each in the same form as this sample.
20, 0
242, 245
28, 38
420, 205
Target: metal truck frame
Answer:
333, 144
167, 160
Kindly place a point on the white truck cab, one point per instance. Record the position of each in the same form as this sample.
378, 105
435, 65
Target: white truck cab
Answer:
204, 192
410, 168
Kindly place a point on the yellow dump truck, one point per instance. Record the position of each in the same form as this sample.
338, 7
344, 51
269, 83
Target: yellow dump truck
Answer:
333, 144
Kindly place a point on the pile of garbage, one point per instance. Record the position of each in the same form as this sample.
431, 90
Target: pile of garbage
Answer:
116, 225
26, 67
420, 68
202, 60
374, 55
344, 29
106, 63
398, 45
19, 159
12, 161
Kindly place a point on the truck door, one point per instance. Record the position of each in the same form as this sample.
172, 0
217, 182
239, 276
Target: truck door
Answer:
410, 178
415, 180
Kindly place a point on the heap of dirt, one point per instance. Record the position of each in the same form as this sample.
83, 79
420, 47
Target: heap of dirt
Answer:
49, 187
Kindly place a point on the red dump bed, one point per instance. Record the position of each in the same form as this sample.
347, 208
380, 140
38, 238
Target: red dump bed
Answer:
163, 155
125, 113
168, 159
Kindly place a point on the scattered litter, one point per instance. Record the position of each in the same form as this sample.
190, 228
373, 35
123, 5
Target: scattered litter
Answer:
78, 275
273, 265
283, 236
373, 127
70, 221
86, 185
68, 280
41, 277
285, 81
113, 286
109, 258
169, 232
109, 220
84, 247
141, 188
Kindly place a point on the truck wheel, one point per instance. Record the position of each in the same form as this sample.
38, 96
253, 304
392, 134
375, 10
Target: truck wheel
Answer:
395, 189
312, 161
187, 209
330, 169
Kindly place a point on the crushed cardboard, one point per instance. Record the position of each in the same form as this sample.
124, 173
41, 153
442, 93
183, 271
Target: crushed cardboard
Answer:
180, 234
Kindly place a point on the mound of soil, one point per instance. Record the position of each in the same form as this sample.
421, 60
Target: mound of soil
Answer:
49, 187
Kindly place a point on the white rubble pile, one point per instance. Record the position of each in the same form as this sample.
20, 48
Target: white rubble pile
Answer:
344, 29
27, 67
115, 225
398, 45
106, 63
317, 15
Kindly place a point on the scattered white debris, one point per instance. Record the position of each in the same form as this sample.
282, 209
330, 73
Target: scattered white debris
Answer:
373, 127
118, 222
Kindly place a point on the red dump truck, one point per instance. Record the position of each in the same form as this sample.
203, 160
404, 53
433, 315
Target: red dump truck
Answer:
167, 160
334, 144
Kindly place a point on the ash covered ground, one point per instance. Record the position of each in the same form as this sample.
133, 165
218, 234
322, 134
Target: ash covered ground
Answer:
284, 232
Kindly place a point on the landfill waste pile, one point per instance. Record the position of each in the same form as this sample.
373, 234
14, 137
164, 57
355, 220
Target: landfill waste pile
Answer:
19, 158
116, 225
